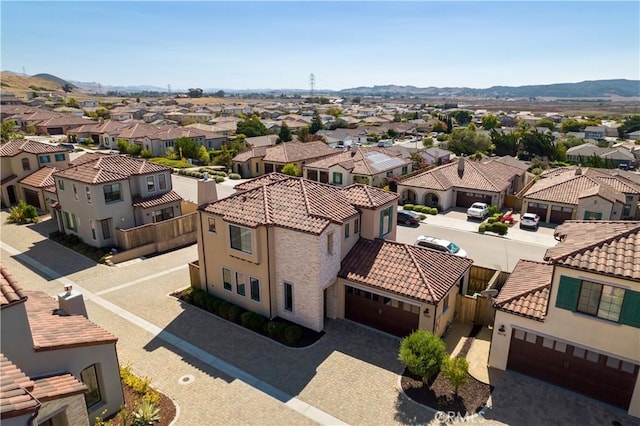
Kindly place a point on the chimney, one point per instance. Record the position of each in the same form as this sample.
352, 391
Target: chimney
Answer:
579, 170
207, 192
461, 166
354, 149
71, 302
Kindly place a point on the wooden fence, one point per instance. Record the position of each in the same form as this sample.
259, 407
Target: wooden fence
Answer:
478, 310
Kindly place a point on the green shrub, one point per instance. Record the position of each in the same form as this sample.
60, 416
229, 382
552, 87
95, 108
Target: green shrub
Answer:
223, 310
492, 210
491, 220
456, 370
433, 211
275, 330
500, 228
216, 305
292, 334
245, 319
408, 207
234, 176
422, 353
146, 414
234, 313
23, 213
219, 179
422, 216
482, 228
187, 295
211, 303
257, 322
199, 298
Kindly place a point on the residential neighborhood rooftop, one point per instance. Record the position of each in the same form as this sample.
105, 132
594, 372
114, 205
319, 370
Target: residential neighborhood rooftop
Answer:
15, 147
526, 291
108, 168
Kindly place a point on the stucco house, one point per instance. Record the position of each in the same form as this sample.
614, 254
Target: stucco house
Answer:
21, 158
573, 320
582, 193
367, 165
57, 367
99, 193
617, 156
462, 183
266, 159
297, 249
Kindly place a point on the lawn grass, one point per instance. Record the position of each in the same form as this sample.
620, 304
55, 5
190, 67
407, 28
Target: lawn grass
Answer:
176, 164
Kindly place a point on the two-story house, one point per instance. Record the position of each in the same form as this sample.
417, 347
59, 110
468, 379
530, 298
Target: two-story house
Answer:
98, 194
297, 249
19, 159
57, 367
574, 321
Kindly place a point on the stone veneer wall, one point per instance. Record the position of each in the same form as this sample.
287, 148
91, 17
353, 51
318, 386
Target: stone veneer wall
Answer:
72, 408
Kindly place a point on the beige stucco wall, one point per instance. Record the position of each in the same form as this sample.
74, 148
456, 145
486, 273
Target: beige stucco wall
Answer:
445, 199
215, 253
370, 222
71, 408
348, 243
597, 204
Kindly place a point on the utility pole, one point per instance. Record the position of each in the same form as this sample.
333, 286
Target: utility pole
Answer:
312, 83
169, 89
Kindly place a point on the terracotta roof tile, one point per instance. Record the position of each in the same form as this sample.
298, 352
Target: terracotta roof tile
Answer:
15, 147
41, 178
15, 400
287, 152
368, 197
493, 176
293, 203
567, 185
51, 330
604, 247
10, 291
54, 387
156, 200
262, 180
108, 168
404, 269
366, 161
526, 291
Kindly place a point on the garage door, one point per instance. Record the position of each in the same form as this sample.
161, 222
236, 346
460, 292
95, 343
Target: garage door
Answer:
538, 208
383, 313
559, 214
55, 131
593, 374
31, 197
465, 199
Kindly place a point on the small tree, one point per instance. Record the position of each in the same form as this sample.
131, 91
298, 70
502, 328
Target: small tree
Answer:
290, 169
23, 213
285, 133
145, 153
422, 353
203, 155
316, 123
456, 371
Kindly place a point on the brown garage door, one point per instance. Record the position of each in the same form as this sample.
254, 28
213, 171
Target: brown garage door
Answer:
465, 199
593, 374
538, 208
383, 313
560, 213
31, 197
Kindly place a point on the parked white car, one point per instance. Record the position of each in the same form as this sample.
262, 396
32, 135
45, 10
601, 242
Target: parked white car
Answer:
440, 245
478, 211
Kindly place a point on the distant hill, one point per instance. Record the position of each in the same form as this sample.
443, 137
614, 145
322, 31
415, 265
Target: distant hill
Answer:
21, 84
55, 79
97, 87
584, 89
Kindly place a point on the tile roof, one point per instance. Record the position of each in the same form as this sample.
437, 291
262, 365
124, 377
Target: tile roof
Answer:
63, 120
262, 180
99, 169
404, 269
54, 387
52, 330
368, 197
139, 130
287, 152
526, 291
568, 185
10, 290
15, 147
156, 200
15, 400
8, 179
293, 203
366, 161
111, 127
604, 247
493, 176
41, 178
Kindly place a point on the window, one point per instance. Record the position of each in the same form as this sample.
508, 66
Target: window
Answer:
70, 221
337, 178
212, 224
356, 226
600, 300
89, 377
240, 239
164, 214
59, 157
519, 334
226, 278
346, 231
560, 347
151, 184
405, 170
112, 193
330, 243
257, 167
87, 191
288, 297
61, 184
578, 352
385, 221
93, 229
26, 165
592, 215
255, 288
75, 191
240, 284
105, 224
162, 181
45, 159
547, 343
445, 306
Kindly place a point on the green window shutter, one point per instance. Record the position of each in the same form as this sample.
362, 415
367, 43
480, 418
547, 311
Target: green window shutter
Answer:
568, 292
598, 216
630, 313
586, 215
381, 223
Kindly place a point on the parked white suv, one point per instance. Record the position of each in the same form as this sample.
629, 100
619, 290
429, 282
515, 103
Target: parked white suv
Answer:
478, 211
440, 245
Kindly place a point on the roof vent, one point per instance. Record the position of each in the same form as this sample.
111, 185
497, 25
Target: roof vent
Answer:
461, 166
578, 170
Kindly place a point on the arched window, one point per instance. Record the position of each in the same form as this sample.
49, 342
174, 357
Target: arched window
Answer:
89, 377
26, 166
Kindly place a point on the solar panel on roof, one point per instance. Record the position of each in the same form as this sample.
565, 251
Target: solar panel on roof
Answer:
381, 162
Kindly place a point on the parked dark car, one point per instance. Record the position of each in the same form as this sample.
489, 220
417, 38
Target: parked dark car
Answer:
408, 217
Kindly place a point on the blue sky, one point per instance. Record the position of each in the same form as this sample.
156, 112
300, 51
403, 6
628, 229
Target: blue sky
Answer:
240, 45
